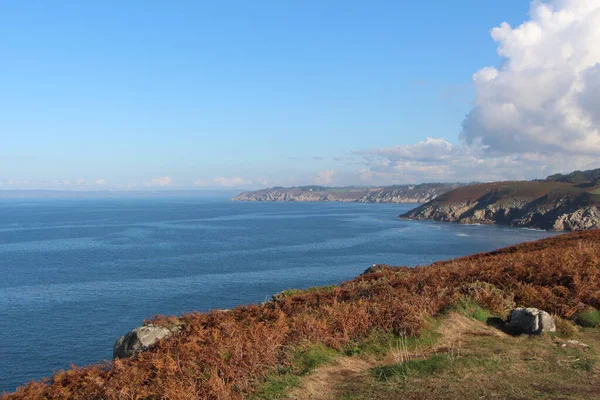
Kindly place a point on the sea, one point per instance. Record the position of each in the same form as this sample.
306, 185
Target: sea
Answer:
75, 274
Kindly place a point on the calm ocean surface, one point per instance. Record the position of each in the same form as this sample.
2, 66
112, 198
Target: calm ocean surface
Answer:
77, 274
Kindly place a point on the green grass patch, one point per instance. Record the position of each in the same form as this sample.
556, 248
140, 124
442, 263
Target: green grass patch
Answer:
305, 358
308, 358
584, 365
291, 292
470, 308
588, 319
565, 329
434, 365
410, 368
380, 343
276, 386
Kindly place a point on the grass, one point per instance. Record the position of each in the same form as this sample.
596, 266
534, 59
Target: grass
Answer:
588, 319
409, 368
305, 359
276, 386
292, 292
379, 343
565, 329
492, 367
470, 308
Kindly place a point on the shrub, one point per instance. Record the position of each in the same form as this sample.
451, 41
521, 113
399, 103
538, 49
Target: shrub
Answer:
412, 367
489, 296
565, 328
470, 308
588, 319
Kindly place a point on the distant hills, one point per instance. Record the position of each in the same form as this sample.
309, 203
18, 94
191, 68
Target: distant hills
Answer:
387, 194
559, 202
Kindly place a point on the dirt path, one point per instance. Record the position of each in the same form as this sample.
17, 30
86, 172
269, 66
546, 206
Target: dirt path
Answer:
328, 381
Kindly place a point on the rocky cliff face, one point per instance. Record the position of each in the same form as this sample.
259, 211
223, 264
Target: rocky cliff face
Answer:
390, 194
540, 205
578, 220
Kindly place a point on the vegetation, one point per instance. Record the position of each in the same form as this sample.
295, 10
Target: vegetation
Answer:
589, 318
238, 353
305, 359
578, 177
485, 364
562, 202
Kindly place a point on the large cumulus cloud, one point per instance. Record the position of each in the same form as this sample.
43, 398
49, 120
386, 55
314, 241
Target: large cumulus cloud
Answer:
535, 114
544, 97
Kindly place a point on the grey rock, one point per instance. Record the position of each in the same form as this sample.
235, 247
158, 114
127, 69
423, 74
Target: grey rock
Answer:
530, 321
578, 220
572, 343
139, 339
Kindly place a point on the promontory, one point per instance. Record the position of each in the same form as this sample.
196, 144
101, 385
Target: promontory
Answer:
560, 202
387, 194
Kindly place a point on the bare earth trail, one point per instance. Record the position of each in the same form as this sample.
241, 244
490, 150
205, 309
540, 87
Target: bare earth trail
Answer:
462, 338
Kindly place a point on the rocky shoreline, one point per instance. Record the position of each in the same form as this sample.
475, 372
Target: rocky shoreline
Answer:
557, 219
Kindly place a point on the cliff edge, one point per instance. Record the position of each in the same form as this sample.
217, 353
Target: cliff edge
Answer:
560, 202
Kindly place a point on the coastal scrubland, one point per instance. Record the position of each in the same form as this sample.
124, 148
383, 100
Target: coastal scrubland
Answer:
267, 350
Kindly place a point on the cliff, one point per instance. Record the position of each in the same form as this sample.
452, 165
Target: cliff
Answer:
560, 202
388, 194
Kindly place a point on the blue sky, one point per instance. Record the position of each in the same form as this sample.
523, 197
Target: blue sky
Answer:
138, 94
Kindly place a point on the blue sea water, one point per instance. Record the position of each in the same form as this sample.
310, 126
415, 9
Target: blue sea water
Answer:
79, 273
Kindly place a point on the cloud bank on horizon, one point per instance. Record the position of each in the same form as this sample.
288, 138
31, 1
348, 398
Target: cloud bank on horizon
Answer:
536, 114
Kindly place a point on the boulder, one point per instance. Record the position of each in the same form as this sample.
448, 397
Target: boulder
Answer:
139, 339
530, 321
375, 268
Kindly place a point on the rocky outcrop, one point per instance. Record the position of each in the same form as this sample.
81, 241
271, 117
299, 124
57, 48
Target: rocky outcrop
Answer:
516, 214
551, 205
388, 194
140, 339
578, 220
530, 321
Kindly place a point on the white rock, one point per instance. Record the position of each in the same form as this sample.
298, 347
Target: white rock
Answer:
530, 321
139, 339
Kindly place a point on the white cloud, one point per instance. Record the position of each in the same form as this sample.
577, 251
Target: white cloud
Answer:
101, 181
231, 182
162, 181
263, 182
201, 182
438, 160
324, 177
428, 150
545, 96
536, 114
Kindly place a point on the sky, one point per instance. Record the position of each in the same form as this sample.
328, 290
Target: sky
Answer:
141, 95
